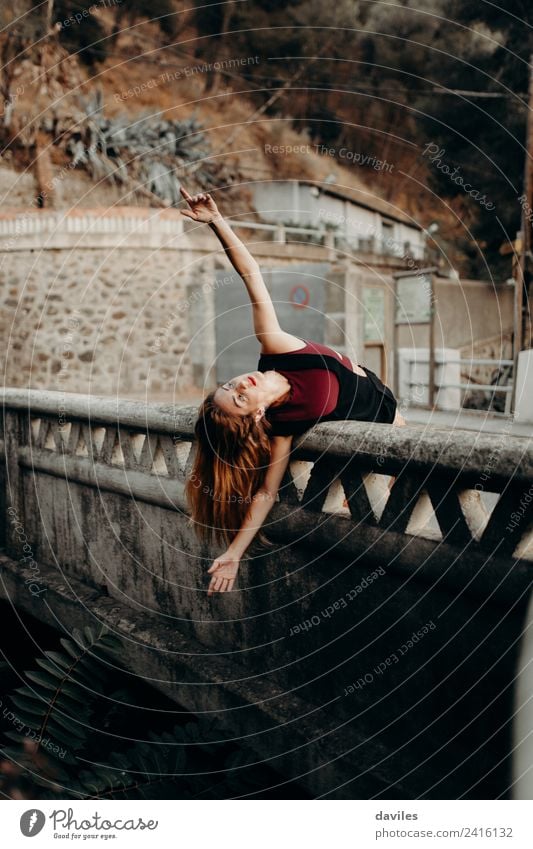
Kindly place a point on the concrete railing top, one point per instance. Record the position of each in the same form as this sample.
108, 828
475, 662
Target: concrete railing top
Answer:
105, 219
467, 454
141, 227
363, 488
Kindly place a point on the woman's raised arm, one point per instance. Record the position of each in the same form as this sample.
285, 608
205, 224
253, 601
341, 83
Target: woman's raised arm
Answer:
202, 208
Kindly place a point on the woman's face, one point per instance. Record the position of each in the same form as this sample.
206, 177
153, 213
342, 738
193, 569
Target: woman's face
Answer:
244, 394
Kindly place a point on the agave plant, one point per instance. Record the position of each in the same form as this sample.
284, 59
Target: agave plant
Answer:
55, 753
149, 149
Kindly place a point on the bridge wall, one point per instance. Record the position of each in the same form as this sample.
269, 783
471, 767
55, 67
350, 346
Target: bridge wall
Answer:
376, 639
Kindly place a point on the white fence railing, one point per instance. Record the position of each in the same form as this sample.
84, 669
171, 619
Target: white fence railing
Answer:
283, 233
119, 220
451, 387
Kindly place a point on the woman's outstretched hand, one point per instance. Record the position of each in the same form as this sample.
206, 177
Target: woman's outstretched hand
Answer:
223, 571
202, 207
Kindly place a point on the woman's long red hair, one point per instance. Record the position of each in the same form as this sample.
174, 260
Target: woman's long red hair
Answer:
231, 458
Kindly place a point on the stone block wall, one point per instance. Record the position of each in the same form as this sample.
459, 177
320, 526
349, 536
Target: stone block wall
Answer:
98, 303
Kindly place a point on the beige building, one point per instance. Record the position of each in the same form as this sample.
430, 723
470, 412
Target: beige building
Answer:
134, 302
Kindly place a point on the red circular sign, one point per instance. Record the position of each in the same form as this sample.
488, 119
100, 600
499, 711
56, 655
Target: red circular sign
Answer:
299, 296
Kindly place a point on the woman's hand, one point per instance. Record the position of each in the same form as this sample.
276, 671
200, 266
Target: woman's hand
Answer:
224, 571
202, 207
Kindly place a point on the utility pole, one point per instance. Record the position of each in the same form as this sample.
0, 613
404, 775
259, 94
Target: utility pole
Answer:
49, 15
522, 253
527, 207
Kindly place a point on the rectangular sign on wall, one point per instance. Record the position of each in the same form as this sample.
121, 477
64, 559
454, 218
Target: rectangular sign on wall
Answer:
374, 314
413, 299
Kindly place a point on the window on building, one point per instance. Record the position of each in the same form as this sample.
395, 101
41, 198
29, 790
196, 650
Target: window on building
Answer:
387, 238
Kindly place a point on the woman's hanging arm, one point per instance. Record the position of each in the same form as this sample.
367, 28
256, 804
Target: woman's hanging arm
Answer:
203, 209
224, 569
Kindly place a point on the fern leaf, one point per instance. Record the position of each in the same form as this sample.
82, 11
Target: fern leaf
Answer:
26, 707
81, 640
69, 722
44, 679
51, 667
47, 699
69, 734
58, 658
76, 692
71, 648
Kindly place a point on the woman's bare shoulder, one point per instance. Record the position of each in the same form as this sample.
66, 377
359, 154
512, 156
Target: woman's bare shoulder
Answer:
280, 342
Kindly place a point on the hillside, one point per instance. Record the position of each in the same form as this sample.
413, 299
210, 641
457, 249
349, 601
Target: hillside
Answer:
230, 120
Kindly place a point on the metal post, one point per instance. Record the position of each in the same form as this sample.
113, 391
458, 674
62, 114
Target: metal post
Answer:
522, 253
431, 378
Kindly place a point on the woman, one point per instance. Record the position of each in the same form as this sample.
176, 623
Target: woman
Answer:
245, 427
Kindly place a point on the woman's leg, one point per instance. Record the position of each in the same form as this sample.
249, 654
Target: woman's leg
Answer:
399, 421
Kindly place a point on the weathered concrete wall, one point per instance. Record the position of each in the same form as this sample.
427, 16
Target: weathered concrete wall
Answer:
467, 312
317, 644
117, 301
86, 302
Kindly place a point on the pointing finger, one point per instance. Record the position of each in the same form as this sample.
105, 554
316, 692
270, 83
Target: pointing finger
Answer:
185, 193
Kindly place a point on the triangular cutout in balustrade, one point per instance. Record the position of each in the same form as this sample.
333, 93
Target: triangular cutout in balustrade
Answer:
401, 502
336, 500
300, 471
81, 447
524, 548
49, 440
159, 467
35, 425
423, 521
189, 462
477, 509
117, 455
366, 493
336, 486
61, 436
356, 499
87, 433
137, 441
448, 511
183, 449
97, 436
42, 435
378, 491
148, 452
501, 534
168, 449
287, 492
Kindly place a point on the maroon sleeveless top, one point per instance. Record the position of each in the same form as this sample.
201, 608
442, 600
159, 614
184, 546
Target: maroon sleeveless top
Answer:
314, 393
324, 387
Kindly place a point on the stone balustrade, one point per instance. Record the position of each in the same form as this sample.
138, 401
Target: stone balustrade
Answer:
379, 534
